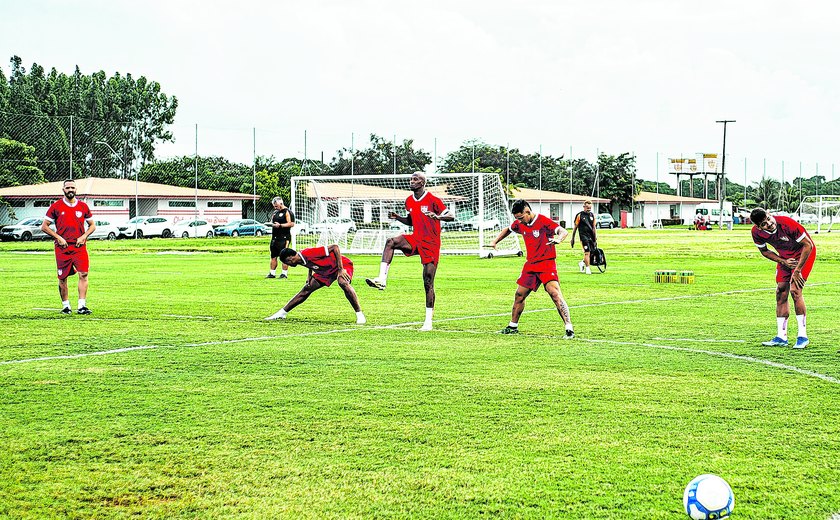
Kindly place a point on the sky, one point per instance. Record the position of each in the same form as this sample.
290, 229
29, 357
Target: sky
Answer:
573, 78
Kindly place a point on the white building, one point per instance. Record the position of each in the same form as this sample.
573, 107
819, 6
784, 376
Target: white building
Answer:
660, 206
556, 205
118, 200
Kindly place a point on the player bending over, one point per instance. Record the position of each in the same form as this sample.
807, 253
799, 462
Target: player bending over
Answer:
540, 234
794, 257
425, 211
326, 265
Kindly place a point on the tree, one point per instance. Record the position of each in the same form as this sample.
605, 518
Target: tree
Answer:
18, 164
39, 109
379, 159
616, 174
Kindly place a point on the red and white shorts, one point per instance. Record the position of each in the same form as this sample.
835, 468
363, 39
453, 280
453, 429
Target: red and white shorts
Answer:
328, 278
783, 274
534, 275
429, 252
71, 260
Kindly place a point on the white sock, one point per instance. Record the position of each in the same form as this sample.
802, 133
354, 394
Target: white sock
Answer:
285, 271
513, 324
781, 326
272, 272
800, 320
83, 301
65, 304
588, 271
383, 272
429, 312
569, 327
360, 318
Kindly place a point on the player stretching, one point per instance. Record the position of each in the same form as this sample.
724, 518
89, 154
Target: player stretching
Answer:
425, 211
795, 255
326, 265
540, 234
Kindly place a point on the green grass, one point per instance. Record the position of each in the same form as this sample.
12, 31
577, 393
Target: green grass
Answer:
226, 415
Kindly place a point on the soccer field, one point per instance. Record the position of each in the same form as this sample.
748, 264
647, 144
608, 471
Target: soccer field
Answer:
175, 399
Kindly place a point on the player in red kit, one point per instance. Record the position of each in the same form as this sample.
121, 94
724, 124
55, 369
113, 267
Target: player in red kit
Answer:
425, 211
326, 265
69, 216
794, 256
540, 234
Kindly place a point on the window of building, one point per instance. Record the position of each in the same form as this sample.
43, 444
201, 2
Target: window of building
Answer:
220, 204
43, 203
181, 203
17, 203
108, 203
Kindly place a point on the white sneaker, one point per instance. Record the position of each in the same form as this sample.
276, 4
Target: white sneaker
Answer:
277, 316
426, 327
375, 283
588, 271
361, 320
582, 265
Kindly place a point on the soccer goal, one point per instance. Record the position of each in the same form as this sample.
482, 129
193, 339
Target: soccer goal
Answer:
352, 211
822, 210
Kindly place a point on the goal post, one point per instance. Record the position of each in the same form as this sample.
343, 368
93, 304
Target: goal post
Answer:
822, 210
352, 211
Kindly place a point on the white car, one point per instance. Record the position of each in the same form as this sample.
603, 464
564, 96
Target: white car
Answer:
193, 228
140, 227
105, 230
492, 224
335, 225
25, 230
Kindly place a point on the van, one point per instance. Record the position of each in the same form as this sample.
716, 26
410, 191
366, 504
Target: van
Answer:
711, 212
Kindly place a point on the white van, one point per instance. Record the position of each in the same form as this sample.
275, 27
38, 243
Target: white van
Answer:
711, 211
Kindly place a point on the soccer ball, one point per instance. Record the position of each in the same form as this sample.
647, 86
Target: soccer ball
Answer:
708, 497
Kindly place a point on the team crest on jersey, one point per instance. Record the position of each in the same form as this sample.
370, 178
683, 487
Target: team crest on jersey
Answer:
78, 214
60, 271
315, 267
424, 209
784, 239
536, 233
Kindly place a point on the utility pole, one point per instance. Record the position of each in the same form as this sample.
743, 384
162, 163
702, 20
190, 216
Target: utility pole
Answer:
722, 179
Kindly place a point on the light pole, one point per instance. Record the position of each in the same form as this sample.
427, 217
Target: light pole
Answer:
722, 181
136, 195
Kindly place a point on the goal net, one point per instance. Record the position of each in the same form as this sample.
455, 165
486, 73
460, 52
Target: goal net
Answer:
352, 211
822, 210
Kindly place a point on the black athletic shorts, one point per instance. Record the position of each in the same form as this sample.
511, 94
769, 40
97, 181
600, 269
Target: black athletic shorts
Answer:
277, 245
587, 243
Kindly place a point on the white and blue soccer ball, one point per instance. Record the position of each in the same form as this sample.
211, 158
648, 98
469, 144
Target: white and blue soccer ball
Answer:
708, 497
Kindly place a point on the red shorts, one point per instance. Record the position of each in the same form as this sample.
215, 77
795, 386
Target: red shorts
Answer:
783, 274
71, 260
329, 277
533, 275
429, 253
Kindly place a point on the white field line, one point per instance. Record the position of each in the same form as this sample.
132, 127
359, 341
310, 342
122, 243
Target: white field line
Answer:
701, 340
188, 317
461, 318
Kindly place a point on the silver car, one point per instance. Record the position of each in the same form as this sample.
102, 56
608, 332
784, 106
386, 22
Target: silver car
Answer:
25, 230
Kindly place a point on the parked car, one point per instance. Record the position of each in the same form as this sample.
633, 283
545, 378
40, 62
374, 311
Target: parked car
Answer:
301, 227
193, 228
605, 220
244, 227
338, 225
105, 230
25, 230
140, 227
492, 224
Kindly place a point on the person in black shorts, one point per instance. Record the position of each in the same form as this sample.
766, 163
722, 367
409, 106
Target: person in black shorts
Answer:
282, 222
585, 223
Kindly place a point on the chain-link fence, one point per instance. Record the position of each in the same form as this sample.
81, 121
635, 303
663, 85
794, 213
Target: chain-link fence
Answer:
231, 173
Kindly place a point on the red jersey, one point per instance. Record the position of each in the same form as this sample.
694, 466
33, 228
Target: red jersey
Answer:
786, 240
321, 262
69, 220
536, 235
426, 230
